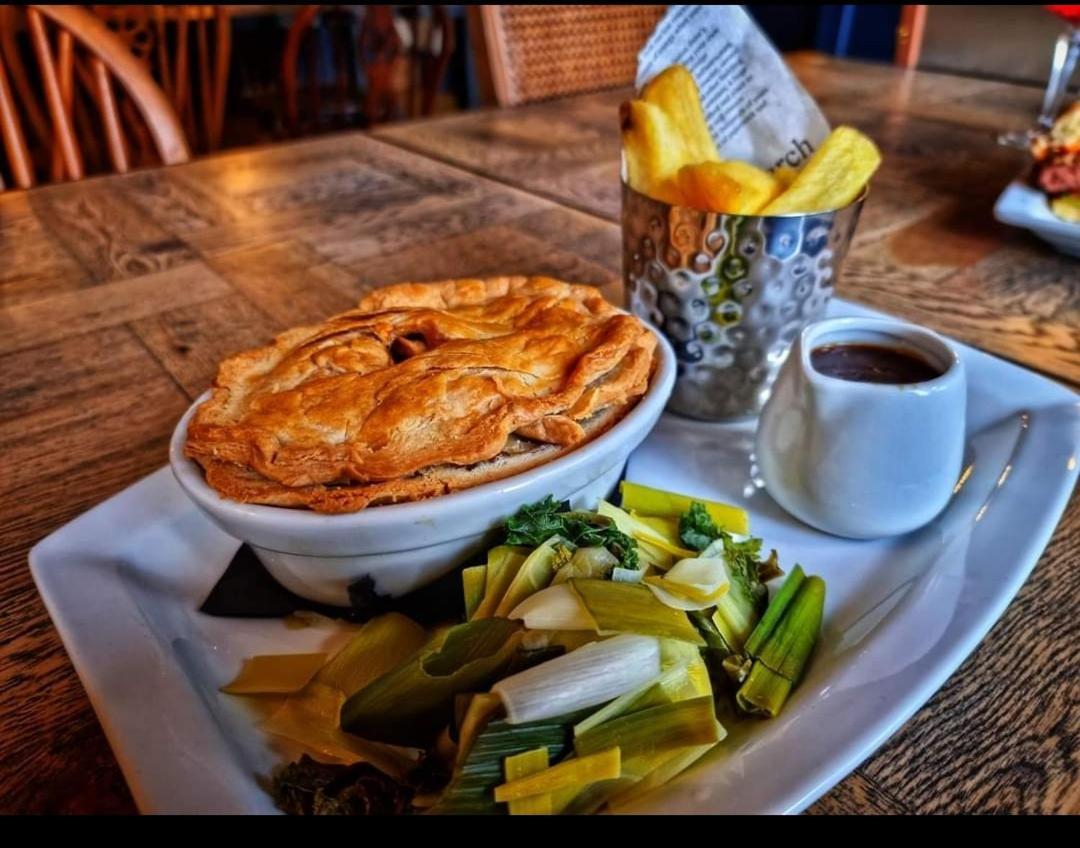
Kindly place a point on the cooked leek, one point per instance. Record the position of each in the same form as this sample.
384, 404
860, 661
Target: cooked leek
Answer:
655, 729
473, 581
668, 527
693, 584
534, 574
778, 606
380, 645
557, 607
470, 791
275, 674
482, 707
602, 765
671, 505
503, 563
522, 765
595, 562
412, 703
641, 531
674, 764
781, 644
683, 676
630, 608
586, 677
311, 720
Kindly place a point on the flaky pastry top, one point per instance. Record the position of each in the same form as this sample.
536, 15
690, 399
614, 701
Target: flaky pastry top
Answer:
421, 375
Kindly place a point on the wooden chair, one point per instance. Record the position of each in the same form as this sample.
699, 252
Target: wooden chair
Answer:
401, 77
164, 38
78, 60
537, 52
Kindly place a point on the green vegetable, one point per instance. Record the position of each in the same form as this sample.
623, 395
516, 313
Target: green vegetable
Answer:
473, 582
738, 611
697, 530
632, 608
535, 573
655, 729
534, 524
522, 765
782, 643
310, 788
412, 703
572, 772
472, 788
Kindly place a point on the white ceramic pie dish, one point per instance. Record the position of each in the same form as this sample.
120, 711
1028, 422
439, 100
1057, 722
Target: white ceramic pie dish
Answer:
403, 546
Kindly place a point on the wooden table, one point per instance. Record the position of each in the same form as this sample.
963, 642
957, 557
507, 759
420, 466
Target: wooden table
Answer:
118, 296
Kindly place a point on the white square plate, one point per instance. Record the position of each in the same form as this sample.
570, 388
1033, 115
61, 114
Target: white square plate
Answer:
124, 581
1020, 205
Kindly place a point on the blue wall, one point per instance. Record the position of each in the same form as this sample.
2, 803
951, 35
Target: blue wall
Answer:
855, 31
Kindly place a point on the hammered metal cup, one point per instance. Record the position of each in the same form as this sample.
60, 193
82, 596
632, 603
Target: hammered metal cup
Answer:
730, 292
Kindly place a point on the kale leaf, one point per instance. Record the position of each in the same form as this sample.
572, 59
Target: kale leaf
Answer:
697, 530
310, 788
533, 524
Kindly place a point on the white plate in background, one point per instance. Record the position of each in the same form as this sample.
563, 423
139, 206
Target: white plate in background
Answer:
1020, 205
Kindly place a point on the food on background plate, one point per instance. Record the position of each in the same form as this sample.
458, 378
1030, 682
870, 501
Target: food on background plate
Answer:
670, 156
598, 657
423, 389
1057, 164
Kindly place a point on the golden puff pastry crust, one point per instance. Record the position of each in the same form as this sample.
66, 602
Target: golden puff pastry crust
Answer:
422, 389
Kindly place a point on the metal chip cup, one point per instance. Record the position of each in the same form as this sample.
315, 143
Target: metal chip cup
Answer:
730, 292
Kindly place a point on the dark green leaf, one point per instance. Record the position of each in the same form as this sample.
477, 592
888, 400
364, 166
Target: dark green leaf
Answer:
534, 524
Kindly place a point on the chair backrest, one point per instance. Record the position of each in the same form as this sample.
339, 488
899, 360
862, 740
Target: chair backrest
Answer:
186, 48
402, 52
536, 52
72, 103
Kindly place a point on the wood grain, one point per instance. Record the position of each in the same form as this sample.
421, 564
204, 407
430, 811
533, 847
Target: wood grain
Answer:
120, 295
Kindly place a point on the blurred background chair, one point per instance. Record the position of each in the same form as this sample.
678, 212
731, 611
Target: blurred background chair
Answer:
346, 67
187, 50
87, 98
536, 52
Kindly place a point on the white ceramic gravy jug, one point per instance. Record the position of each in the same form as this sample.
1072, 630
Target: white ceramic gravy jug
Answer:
861, 459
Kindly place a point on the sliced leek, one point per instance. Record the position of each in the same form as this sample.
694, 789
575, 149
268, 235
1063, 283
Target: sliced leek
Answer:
591, 675
379, 646
674, 764
412, 703
671, 505
275, 674
471, 789
655, 729
602, 765
781, 644
522, 765
631, 608
557, 607
641, 531
534, 574
473, 582
503, 563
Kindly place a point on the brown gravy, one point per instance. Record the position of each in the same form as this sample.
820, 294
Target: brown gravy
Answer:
872, 363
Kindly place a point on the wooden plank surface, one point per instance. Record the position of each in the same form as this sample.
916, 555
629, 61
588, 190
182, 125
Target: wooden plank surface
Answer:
121, 294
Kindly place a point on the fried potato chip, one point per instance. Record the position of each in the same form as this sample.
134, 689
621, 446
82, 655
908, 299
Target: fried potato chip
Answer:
674, 91
834, 176
706, 186
785, 175
654, 150
737, 188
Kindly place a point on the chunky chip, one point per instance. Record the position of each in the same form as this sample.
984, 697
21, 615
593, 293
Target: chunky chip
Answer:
654, 150
676, 94
834, 177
